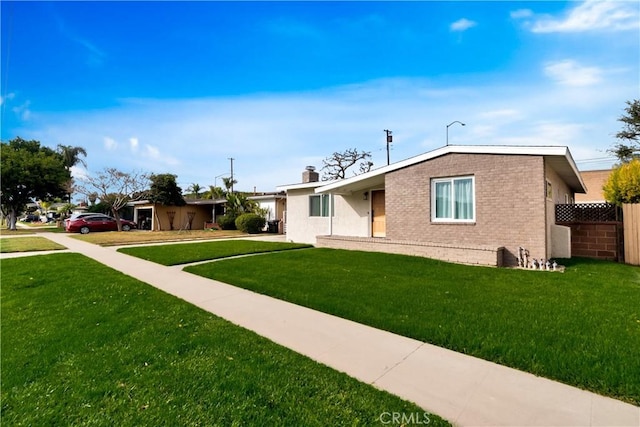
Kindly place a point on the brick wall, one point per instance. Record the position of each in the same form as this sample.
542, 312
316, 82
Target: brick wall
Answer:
510, 203
475, 255
595, 240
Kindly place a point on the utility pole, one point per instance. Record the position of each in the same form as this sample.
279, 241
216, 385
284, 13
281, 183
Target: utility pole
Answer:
389, 141
232, 159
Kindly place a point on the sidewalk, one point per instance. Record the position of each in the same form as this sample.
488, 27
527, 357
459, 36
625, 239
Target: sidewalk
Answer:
464, 390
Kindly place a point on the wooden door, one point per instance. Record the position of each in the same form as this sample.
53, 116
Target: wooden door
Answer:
378, 222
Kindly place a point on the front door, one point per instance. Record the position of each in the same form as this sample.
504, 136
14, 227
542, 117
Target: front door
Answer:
378, 224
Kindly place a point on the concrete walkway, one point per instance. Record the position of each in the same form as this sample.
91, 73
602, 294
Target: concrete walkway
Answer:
464, 390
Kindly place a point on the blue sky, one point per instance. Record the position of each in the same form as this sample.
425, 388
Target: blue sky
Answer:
181, 87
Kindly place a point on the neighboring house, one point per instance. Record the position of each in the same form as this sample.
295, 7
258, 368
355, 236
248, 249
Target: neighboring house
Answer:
195, 215
467, 204
275, 205
594, 181
200, 213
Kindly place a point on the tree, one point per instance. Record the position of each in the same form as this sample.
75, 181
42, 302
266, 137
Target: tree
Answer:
116, 189
165, 191
71, 157
239, 203
630, 134
214, 193
229, 183
623, 185
337, 164
195, 189
29, 172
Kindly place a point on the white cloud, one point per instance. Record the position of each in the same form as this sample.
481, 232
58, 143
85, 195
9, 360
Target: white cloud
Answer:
23, 111
153, 153
462, 25
95, 56
133, 143
79, 173
570, 73
593, 15
6, 98
272, 137
110, 144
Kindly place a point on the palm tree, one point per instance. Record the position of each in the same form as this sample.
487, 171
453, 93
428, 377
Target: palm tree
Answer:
229, 183
195, 189
71, 157
214, 193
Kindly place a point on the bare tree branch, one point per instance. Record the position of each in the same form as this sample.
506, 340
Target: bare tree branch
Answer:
116, 188
337, 164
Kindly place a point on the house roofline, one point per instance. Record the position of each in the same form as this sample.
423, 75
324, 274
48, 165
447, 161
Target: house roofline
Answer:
524, 150
302, 186
277, 196
189, 202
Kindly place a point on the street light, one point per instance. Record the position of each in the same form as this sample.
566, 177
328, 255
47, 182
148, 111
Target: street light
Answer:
215, 179
456, 121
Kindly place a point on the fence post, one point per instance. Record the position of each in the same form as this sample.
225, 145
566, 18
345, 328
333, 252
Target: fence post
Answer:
631, 230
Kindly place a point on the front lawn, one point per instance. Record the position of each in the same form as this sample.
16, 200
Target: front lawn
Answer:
581, 327
136, 237
83, 344
193, 252
27, 244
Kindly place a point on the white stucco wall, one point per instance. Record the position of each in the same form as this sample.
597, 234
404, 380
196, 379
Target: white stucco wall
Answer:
351, 217
556, 237
268, 204
301, 228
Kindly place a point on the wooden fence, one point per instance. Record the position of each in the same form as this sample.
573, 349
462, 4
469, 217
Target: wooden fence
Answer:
631, 215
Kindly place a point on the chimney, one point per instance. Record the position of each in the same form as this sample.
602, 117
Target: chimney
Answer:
310, 174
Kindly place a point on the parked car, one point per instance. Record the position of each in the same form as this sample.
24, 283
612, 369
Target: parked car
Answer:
84, 214
30, 218
95, 222
81, 215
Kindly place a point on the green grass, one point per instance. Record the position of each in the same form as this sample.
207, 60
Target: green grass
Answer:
114, 351
193, 252
27, 244
136, 237
581, 327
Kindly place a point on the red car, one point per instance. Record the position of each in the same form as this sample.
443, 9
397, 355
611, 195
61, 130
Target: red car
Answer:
97, 222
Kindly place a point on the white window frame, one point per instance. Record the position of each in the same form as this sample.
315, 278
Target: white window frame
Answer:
451, 180
324, 198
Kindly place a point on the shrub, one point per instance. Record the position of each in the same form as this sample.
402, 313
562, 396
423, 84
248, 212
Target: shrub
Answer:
227, 222
623, 185
250, 223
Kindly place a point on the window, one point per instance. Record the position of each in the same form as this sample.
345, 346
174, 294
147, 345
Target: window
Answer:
453, 199
319, 205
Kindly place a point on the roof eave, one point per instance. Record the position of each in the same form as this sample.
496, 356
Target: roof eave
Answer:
348, 185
